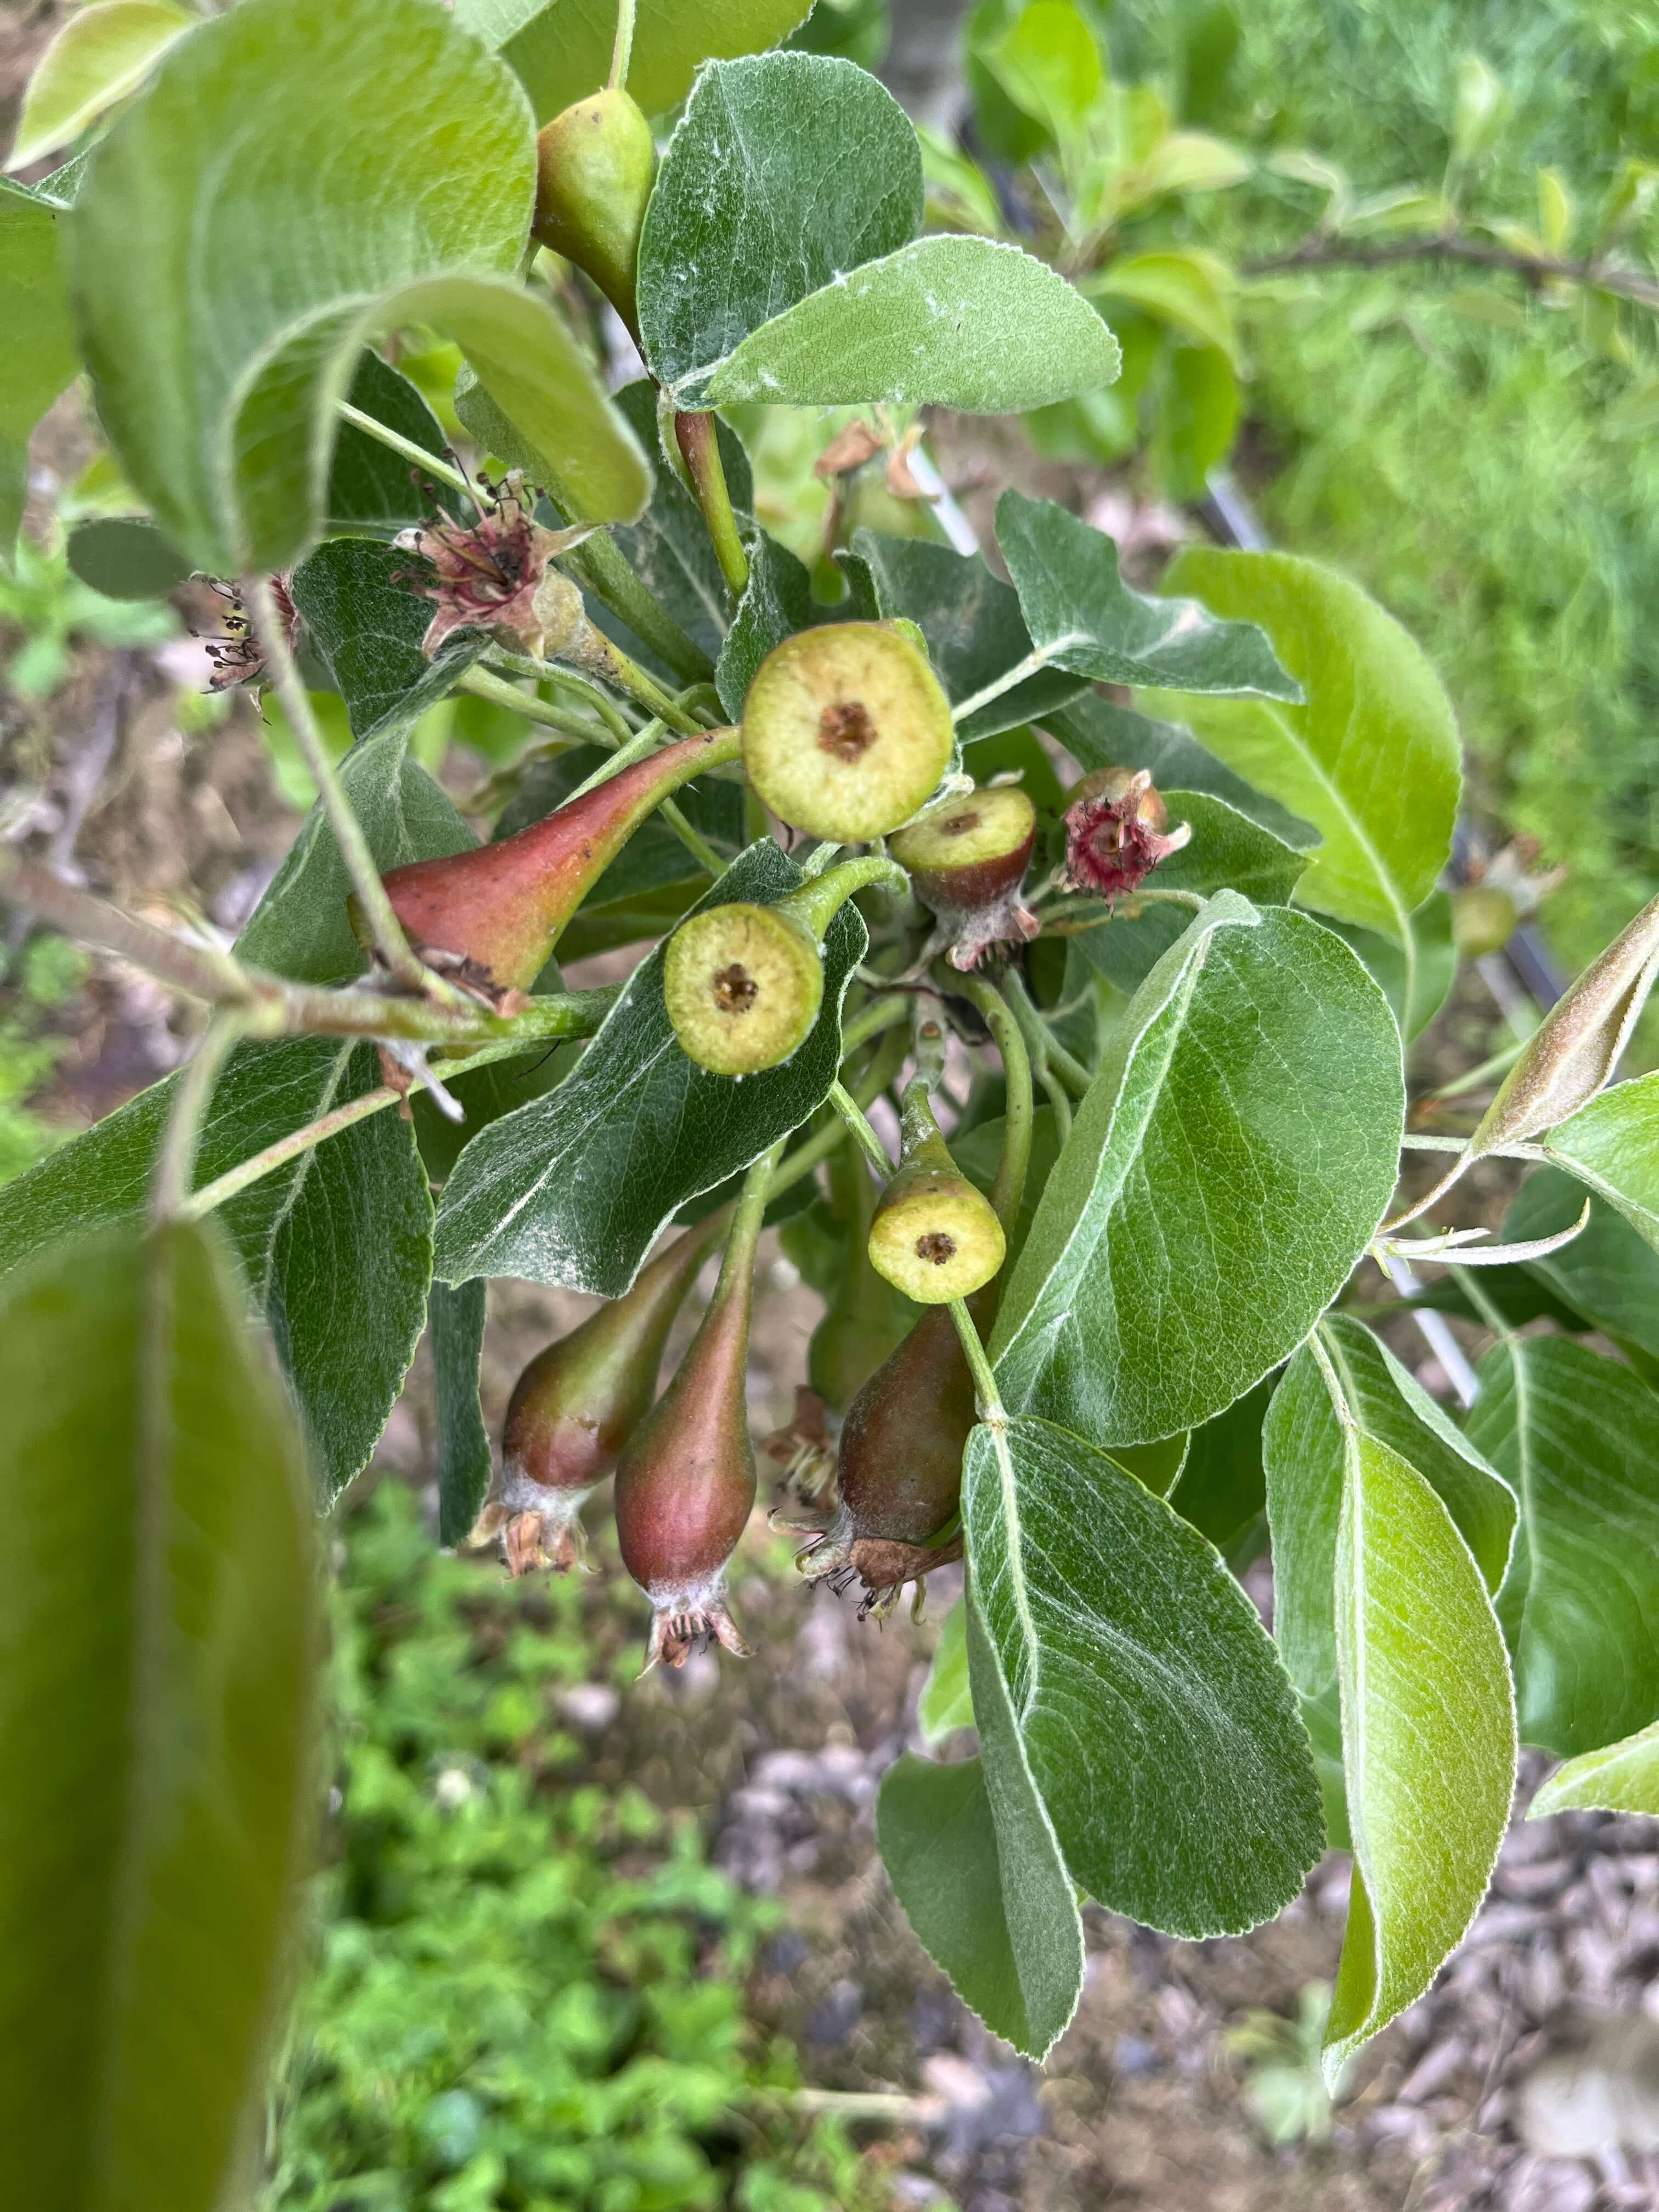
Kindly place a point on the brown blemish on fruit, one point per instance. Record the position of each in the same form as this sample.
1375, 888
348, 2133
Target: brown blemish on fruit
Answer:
735, 989
937, 1247
845, 730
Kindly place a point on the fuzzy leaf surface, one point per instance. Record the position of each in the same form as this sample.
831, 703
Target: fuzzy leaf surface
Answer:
156, 1713
973, 1858
1578, 1438
1229, 1163
335, 1246
1083, 617
958, 322
297, 142
1415, 976
561, 49
784, 172
1306, 1442
1613, 1145
367, 625
125, 556
1371, 759
1428, 1740
1620, 1778
1228, 851
370, 487
777, 601
97, 57
301, 927
1159, 1726
575, 1188
1221, 1485
464, 1466
40, 356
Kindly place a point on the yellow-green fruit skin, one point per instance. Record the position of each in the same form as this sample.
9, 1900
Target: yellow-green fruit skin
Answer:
596, 164
743, 985
845, 731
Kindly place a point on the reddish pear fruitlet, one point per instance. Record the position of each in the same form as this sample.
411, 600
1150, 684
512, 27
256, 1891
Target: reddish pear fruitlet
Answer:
1115, 832
493, 916
686, 1479
967, 862
576, 1404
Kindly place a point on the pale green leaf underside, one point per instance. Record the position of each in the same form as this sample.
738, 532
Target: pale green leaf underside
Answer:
946, 1703
1620, 1778
1612, 1144
1304, 1443
97, 58
281, 193
965, 323
1229, 1166
1428, 1734
1577, 1437
561, 49
155, 1709
1371, 759
1157, 1722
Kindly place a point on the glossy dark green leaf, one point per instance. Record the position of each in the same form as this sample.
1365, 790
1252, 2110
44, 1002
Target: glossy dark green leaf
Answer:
1099, 733
777, 601
272, 201
1083, 617
966, 323
1309, 1441
464, 1466
125, 556
1371, 759
1229, 1163
336, 1245
369, 486
1578, 1436
784, 172
561, 49
1158, 1724
301, 927
1228, 851
40, 356
974, 1860
575, 1188
367, 623
1428, 1741
1222, 1486
1415, 984
970, 619
156, 1710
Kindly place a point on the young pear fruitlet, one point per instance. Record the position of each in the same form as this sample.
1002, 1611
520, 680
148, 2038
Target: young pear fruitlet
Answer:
742, 984
686, 1479
934, 1236
1117, 831
966, 862
489, 918
577, 1403
845, 731
595, 166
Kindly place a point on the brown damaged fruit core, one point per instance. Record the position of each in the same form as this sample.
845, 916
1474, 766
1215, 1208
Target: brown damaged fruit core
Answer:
845, 730
735, 989
958, 825
937, 1247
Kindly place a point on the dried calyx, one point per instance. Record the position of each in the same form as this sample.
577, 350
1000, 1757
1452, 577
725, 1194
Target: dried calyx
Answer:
1117, 831
743, 983
967, 861
494, 571
577, 1403
685, 1481
845, 731
489, 918
596, 163
934, 1236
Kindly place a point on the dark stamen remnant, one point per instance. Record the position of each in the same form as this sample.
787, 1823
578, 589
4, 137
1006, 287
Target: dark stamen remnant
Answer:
937, 1247
845, 730
735, 989
958, 825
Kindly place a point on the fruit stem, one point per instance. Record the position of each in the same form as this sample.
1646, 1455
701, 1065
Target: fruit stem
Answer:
1046, 1048
622, 52
598, 564
177, 1163
737, 1260
698, 440
1008, 1191
384, 927
626, 674
496, 691
863, 1135
991, 1408
429, 465
820, 899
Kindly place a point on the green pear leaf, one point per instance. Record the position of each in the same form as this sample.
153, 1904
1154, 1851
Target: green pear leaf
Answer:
365, 622
1157, 1722
1613, 1145
947, 1702
41, 359
561, 49
97, 57
1222, 1485
1231, 1161
1099, 733
464, 1466
1620, 1777
157, 1716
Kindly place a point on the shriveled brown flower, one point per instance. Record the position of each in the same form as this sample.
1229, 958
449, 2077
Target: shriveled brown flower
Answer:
494, 573
238, 656
1116, 833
